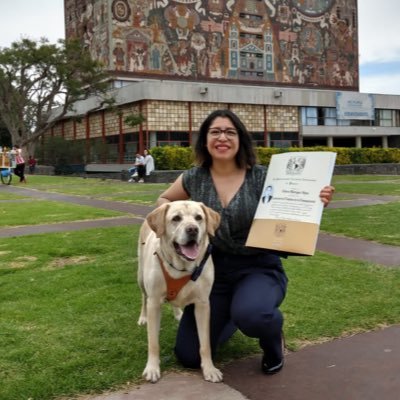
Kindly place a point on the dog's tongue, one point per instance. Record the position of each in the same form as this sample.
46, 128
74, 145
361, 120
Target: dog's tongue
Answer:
190, 250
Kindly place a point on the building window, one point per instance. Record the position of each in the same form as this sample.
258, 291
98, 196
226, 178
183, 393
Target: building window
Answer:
258, 139
173, 139
309, 116
284, 139
396, 117
328, 116
384, 117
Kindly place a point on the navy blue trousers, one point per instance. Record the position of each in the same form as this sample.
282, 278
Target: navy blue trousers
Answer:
246, 294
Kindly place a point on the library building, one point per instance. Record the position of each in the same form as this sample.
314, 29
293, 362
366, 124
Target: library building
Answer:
289, 69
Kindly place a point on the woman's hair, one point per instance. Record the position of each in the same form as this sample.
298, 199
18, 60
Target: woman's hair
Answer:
245, 157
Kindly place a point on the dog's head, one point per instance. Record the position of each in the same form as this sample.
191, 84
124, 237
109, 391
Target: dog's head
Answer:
184, 226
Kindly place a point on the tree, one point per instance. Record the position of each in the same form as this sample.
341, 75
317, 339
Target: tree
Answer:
5, 138
134, 119
41, 82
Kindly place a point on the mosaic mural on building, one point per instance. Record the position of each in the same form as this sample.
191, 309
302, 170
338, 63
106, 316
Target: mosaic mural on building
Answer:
302, 42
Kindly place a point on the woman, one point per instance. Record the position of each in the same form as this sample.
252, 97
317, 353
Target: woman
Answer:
148, 162
19, 170
250, 283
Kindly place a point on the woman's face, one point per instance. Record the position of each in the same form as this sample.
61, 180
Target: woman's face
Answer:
222, 139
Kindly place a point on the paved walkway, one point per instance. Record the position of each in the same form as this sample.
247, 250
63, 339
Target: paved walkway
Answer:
360, 367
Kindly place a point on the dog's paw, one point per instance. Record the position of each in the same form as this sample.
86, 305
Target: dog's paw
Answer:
212, 374
142, 320
151, 374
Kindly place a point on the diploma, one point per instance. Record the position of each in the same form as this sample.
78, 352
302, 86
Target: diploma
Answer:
289, 211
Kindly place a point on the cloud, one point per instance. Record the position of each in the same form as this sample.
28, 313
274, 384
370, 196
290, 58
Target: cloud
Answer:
25, 19
378, 25
381, 83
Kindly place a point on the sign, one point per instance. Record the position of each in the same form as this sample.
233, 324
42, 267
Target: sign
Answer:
352, 105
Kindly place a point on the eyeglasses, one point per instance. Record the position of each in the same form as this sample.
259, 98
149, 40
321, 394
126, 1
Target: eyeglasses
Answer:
216, 132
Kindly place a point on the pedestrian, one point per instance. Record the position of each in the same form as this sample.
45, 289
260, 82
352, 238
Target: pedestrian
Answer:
250, 283
141, 170
148, 162
134, 170
32, 164
19, 169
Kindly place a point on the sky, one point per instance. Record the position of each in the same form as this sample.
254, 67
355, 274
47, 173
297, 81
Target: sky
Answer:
378, 30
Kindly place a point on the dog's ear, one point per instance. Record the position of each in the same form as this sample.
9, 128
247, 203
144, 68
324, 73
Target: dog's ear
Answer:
156, 219
213, 219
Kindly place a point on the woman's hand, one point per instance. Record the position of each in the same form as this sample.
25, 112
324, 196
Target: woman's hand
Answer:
326, 194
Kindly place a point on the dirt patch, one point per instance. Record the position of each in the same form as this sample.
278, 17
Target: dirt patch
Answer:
63, 262
22, 262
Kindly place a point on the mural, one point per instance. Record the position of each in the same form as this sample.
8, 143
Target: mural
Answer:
302, 42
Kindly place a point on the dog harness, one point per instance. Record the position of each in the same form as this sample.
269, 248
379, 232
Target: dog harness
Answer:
174, 286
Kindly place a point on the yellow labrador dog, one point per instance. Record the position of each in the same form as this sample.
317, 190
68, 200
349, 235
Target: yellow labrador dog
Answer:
175, 265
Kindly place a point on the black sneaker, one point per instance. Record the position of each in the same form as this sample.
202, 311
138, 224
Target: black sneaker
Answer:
270, 370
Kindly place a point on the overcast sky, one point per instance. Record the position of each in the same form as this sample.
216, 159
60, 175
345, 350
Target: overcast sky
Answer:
379, 43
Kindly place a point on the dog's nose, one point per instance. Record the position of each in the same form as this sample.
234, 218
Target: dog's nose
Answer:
192, 230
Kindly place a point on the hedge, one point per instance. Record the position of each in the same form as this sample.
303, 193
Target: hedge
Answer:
179, 158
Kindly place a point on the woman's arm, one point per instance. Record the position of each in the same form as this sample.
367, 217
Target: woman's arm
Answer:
173, 193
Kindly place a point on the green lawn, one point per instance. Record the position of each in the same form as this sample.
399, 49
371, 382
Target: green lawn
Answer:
35, 212
375, 223
70, 301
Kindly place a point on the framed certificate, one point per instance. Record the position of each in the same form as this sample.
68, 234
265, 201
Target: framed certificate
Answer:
289, 212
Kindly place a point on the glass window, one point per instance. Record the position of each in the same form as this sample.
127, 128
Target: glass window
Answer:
329, 116
258, 139
173, 139
384, 118
284, 139
309, 116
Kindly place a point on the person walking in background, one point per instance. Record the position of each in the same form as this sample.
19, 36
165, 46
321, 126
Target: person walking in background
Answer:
19, 169
250, 283
32, 165
148, 163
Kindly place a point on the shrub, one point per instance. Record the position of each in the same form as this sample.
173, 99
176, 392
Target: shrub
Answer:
172, 157
178, 158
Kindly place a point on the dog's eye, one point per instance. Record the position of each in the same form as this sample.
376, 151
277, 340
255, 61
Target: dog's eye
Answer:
198, 217
177, 218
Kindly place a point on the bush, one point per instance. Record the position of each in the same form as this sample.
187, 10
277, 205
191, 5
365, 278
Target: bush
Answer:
172, 157
179, 158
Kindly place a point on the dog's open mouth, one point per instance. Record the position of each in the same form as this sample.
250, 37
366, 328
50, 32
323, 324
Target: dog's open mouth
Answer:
189, 251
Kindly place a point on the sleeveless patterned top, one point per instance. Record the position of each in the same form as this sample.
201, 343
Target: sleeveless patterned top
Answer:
237, 217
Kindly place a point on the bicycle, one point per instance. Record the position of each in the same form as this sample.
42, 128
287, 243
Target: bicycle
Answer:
7, 164
6, 175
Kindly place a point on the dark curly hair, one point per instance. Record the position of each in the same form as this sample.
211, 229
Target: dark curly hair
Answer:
245, 157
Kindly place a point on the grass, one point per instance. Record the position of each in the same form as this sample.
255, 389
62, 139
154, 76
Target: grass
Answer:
367, 222
36, 212
368, 184
70, 302
107, 189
